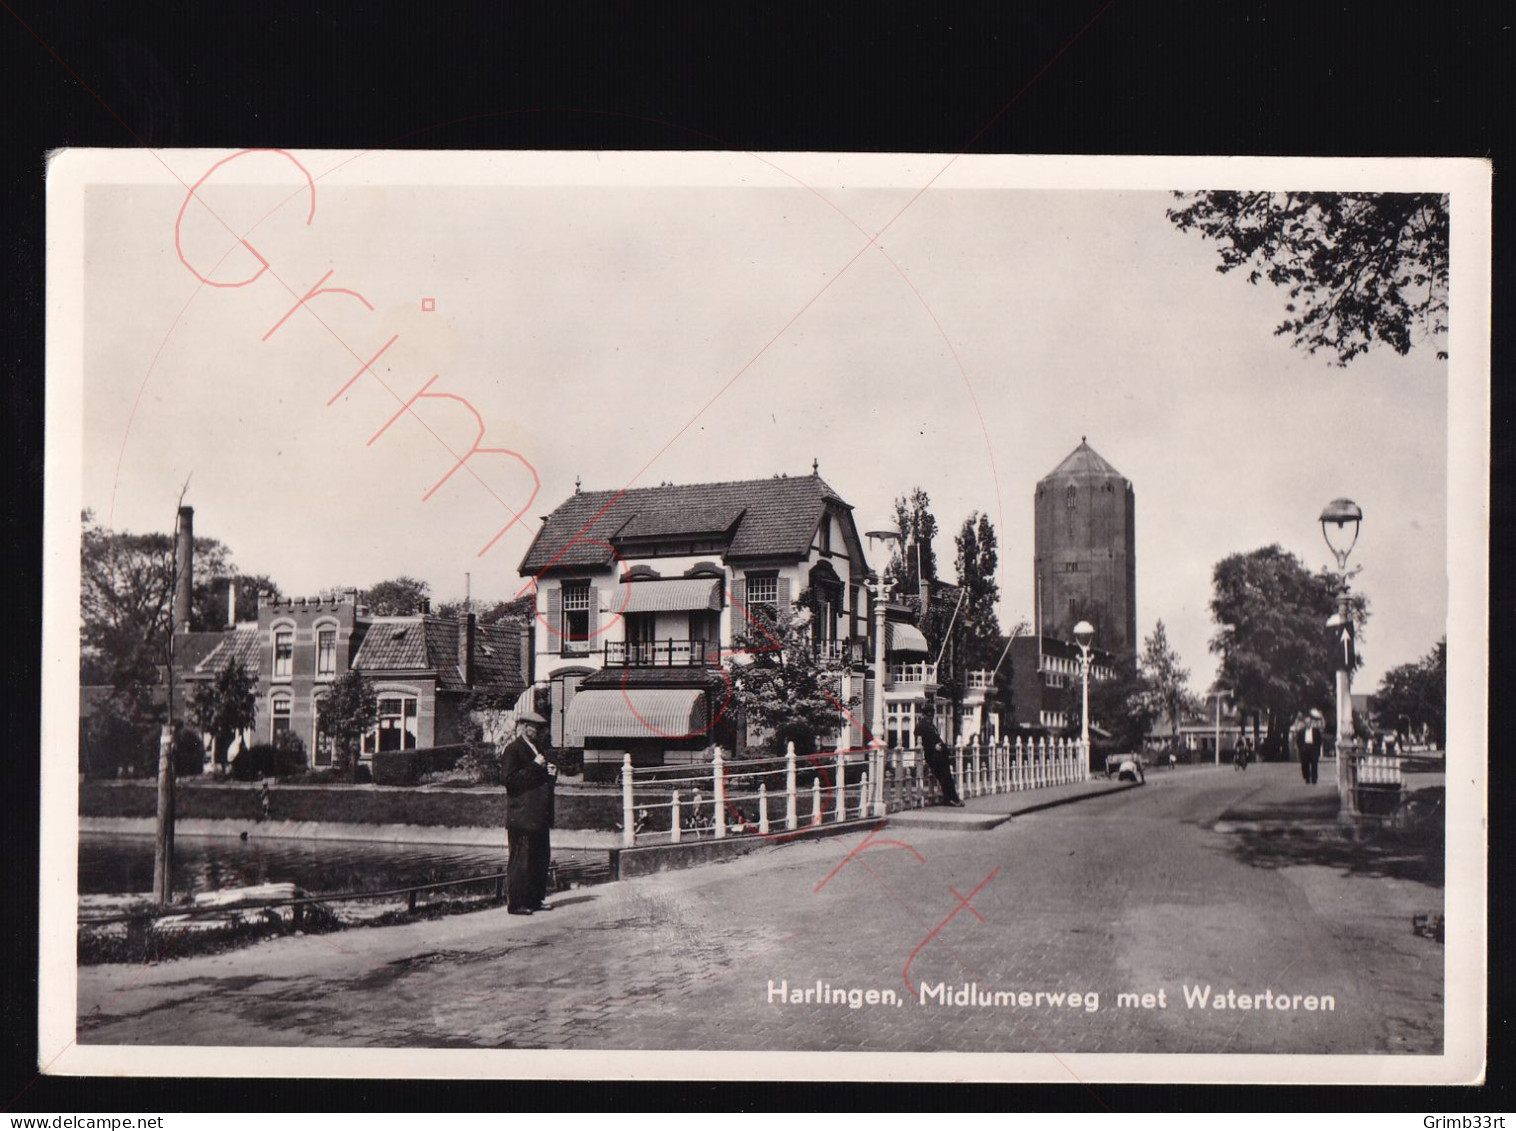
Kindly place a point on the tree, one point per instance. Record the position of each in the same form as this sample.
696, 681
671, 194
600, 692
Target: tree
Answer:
1167, 683
348, 711
225, 706
397, 597
1360, 268
782, 686
126, 594
1415, 695
1120, 704
1276, 653
209, 601
917, 526
520, 609
978, 558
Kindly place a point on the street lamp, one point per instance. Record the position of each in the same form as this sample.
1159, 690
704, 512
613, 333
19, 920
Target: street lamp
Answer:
1336, 519
1219, 694
886, 533
1084, 632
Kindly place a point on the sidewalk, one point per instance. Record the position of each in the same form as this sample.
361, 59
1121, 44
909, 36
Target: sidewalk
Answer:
995, 809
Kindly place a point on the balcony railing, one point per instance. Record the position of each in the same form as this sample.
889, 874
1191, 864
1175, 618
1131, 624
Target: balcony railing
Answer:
661, 653
981, 680
913, 673
841, 651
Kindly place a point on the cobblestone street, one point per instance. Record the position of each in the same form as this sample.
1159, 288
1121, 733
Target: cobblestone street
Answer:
1129, 893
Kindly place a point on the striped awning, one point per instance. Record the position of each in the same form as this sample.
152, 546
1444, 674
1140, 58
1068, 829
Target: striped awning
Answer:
634, 712
671, 595
905, 638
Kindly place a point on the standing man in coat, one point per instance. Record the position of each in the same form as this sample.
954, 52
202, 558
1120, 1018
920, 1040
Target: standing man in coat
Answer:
529, 779
938, 760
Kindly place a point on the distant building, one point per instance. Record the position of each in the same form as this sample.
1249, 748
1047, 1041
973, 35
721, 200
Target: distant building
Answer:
1085, 559
1046, 682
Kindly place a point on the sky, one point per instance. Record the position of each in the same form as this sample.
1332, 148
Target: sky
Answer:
738, 325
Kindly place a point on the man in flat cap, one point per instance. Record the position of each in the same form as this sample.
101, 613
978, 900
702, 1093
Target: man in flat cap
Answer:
529, 779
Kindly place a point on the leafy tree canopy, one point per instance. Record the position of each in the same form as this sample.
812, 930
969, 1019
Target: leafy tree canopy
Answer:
782, 687
1166, 681
917, 527
225, 706
977, 561
1415, 695
349, 710
1359, 268
397, 597
1277, 655
126, 594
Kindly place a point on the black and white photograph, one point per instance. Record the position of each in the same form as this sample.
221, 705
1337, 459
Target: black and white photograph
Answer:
731, 615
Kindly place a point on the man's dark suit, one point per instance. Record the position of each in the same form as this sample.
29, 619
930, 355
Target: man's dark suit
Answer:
938, 759
528, 817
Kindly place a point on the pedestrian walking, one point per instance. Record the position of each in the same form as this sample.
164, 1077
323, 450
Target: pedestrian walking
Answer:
265, 802
935, 751
1310, 746
530, 777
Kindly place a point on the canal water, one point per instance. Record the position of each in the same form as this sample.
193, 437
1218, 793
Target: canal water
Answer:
114, 864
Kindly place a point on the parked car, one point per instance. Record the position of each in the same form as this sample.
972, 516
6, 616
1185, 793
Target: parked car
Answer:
1125, 767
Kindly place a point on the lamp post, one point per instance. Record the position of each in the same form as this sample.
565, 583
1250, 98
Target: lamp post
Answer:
1084, 632
1336, 519
886, 533
1219, 694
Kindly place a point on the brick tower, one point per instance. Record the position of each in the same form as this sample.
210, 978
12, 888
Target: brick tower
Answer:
1086, 551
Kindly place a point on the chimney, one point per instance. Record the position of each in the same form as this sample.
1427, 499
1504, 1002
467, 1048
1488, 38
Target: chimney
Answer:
466, 632
231, 604
184, 569
426, 604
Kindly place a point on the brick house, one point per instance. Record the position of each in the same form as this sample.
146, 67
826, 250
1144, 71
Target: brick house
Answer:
424, 667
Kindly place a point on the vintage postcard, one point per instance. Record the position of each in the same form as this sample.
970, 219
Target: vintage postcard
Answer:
765, 615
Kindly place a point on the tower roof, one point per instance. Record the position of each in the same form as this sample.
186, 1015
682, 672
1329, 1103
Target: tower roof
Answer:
1083, 461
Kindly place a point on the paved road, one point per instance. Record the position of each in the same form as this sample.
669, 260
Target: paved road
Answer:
1128, 893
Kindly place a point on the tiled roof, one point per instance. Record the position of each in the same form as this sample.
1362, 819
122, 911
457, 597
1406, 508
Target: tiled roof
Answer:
241, 645
772, 517
497, 657
708, 679
414, 643
1083, 461
192, 648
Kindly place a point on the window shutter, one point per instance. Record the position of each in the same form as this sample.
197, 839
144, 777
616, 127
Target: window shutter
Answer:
594, 619
739, 609
784, 601
555, 618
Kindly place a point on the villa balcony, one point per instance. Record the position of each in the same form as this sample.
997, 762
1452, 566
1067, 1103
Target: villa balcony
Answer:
922, 673
980, 680
662, 653
840, 651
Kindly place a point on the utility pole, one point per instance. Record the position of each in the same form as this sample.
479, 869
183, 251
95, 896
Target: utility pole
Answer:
163, 831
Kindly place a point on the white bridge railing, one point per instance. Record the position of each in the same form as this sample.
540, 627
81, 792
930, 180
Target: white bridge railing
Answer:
773, 797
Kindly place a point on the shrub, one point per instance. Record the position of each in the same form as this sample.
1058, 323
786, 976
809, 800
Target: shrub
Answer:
189, 754
268, 760
482, 763
398, 767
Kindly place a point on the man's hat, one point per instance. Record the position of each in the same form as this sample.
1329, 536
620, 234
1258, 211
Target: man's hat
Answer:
1316, 713
530, 717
